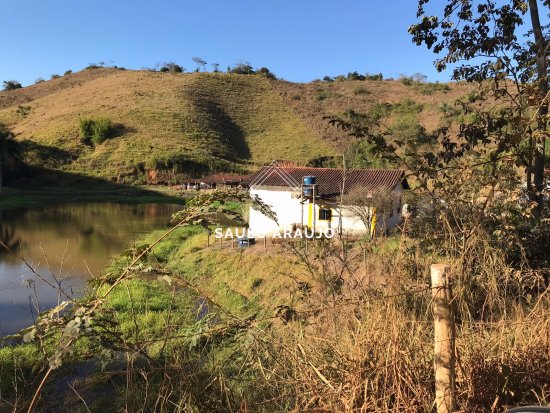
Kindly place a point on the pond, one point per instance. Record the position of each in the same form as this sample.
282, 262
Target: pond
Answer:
68, 242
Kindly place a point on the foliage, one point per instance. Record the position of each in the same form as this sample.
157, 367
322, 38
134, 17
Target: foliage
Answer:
93, 66
427, 88
360, 91
355, 76
264, 71
11, 85
241, 69
483, 43
95, 131
366, 204
360, 155
375, 77
172, 68
201, 210
201, 63
9, 148
324, 94
23, 111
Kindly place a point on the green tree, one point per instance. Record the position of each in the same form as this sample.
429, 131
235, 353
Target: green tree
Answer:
9, 149
11, 85
484, 42
201, 63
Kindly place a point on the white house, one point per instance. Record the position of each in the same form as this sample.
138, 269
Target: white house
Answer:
282, 188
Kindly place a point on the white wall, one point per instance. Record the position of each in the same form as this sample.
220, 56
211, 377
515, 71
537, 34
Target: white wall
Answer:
289, 213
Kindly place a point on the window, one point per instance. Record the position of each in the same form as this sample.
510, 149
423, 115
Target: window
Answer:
325, 214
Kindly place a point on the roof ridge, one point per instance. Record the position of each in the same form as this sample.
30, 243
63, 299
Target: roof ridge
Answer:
336, 169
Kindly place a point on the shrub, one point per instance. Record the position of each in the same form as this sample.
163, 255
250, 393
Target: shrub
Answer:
355, 76
408, 106
407, 81
328, 79
39, 80
242, 69
429, 88
324, 94
68, 72
11, 85
23, 111
360, 91
376, 77
264, 71
172, 68
97, 65
54, 76
95, 131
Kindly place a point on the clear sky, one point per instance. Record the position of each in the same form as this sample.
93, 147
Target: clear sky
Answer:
299, 40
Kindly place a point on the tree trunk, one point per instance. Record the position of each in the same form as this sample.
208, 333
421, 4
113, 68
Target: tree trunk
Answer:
542, 111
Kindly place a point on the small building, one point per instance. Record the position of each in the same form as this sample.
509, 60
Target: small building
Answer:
215, 181
223, 181
304, 197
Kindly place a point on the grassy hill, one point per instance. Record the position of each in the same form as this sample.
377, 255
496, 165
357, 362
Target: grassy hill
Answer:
185, 122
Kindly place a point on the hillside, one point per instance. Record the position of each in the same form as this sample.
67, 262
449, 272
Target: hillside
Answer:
195, 122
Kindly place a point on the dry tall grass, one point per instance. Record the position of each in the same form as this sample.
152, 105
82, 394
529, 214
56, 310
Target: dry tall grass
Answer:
363, 347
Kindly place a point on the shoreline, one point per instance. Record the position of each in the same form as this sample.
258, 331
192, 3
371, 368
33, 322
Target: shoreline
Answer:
12, 198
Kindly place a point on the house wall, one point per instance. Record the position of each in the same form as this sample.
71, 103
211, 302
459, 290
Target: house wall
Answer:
289, 212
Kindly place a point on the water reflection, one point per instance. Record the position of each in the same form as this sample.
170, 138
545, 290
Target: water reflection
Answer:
69, 242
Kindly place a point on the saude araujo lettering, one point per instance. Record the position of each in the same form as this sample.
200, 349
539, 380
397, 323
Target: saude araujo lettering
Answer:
282, 233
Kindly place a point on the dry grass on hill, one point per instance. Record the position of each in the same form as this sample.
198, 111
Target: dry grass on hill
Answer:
244, 120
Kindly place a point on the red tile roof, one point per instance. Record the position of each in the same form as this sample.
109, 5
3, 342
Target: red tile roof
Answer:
329, 180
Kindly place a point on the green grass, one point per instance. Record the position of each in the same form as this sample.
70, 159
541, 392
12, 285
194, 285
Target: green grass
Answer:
201, 119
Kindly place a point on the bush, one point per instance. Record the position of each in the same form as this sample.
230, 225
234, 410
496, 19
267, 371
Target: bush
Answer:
242, 69
23, 111
11, 85
328, 79
408, 106
171, 67
376, 77
39, 80
355, 76
68, 72
95, 131
407, 81
324, 94
54, 76
97, 65
429, 88
264, 71
360, 91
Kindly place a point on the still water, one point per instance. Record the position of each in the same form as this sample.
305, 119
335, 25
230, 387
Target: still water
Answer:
72, 242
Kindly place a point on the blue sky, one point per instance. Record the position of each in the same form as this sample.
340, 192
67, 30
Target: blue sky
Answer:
298, 40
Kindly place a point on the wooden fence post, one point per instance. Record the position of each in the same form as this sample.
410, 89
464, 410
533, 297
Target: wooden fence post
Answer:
444, 340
